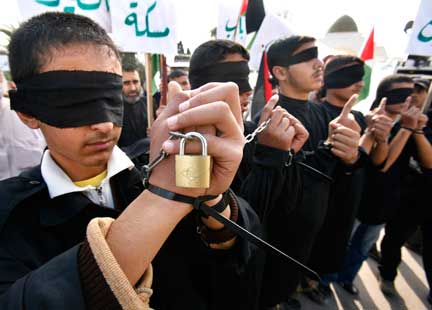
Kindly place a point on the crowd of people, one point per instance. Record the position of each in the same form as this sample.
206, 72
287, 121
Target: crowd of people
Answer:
318, 181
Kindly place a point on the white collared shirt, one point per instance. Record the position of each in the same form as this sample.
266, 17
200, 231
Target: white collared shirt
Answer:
59, 183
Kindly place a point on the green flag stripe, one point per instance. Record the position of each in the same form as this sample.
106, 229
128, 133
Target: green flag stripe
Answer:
367, 79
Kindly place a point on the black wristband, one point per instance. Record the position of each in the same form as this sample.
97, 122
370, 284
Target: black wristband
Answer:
196, 202
408, 128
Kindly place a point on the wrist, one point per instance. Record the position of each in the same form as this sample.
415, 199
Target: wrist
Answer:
407, 129
156, 200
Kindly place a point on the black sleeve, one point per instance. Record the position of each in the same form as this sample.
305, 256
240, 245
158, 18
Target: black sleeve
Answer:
270, 176
54, 285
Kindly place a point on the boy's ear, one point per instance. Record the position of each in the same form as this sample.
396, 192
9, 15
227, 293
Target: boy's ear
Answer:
279, 73
30, 121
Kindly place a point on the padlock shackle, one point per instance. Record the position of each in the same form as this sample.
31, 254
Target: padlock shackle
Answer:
194, 134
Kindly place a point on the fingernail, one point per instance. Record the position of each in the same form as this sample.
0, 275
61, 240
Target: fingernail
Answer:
168, 146
184, 106
172, 122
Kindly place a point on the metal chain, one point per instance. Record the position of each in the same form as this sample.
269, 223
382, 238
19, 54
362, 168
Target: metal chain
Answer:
250, 137
147, 169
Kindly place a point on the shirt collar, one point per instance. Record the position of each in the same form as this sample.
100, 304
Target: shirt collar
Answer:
59, 183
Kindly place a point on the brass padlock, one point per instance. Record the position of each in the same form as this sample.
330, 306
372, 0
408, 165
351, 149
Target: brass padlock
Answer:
193, 171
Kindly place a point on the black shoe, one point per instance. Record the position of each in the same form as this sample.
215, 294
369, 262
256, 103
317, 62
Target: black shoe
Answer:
375, 254
320, 294
387, 287
350, 288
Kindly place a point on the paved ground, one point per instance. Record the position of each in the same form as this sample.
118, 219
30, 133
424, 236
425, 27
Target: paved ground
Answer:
410, 283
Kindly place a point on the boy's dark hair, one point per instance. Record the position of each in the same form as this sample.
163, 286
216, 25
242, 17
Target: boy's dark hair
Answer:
213, 52
282, 49
339, 61
386, 84
176, 74
31, 44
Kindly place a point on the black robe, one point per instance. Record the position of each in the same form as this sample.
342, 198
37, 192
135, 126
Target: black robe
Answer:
134, 122
292, 199
345, 196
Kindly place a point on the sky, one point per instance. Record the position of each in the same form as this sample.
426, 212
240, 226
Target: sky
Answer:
308, 17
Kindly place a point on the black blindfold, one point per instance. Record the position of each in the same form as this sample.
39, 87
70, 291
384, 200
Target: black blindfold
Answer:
71, 98
237, 72
303, 56
394, 96
344, 77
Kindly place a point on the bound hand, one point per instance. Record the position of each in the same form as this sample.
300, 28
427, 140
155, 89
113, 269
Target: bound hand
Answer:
284, 131
344, 134
216, 105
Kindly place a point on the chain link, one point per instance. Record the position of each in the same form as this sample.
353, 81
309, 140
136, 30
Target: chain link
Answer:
147, 169
250, 137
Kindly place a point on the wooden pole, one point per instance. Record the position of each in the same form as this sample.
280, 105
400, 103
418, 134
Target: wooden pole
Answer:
164, 81
149, 90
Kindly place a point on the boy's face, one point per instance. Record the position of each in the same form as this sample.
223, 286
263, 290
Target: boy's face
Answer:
86, 148
345, 93
308, 75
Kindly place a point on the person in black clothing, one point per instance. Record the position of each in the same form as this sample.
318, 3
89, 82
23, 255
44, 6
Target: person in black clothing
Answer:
222, 61
381, 196
343, 76
60, 247
135, 107
413, 212
293, 209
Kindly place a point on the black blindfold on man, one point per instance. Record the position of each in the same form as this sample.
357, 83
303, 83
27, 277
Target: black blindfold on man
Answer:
303, 56
343, 77
67, 99
394, 96
237, 72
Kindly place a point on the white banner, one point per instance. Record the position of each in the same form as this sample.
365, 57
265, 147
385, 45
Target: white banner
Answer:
144, 26
272, 28
97, 10
420, 42
227, 22
4, 63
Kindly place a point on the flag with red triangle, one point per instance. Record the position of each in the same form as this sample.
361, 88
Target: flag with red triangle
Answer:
367, 55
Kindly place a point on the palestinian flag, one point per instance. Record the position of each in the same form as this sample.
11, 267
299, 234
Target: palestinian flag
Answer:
254, 14
155, 73
263, 88
367, 55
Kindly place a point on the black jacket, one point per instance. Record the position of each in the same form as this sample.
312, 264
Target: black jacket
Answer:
40, 240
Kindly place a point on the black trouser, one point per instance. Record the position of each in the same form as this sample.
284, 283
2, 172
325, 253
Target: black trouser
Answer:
397, 232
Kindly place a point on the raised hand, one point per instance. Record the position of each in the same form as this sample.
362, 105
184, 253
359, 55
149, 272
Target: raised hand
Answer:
284, 130
344, 134
216, 105
410, 116
422, 121
380, 124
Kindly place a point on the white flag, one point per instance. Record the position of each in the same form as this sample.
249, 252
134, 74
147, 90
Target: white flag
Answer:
272, 28
228, 21
98, 10
420, 42
144, 26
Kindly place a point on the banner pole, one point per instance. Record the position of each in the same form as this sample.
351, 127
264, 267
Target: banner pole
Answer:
149, 90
